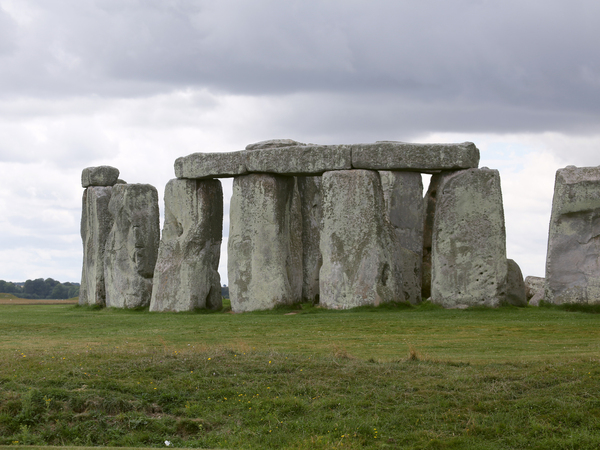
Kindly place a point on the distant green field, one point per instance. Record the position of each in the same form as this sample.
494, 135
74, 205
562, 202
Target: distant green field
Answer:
391, 377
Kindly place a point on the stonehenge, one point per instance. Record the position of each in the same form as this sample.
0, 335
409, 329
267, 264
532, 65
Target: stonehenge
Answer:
340, 226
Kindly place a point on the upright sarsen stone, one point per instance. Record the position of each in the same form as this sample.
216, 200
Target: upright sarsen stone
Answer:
403, 195
132, 245
96, 223
186, 275
358, 243
469, 265
309, 189
264, 254
573, 258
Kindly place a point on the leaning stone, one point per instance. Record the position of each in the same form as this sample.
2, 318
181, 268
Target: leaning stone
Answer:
310, 196
390, 155
533, 285
186, 275
263, 262
299, 160
358, 244
469, 241
99, 176
573, 257
516, 294
273, 143
211, 165
429, 203
96, 223
403, 196
132, 245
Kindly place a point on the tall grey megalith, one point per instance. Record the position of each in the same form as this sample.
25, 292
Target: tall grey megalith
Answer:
358, 244
309, 189
573, 257
132, 245
469, 265
186, 274
264, 249
403, 195
96, 223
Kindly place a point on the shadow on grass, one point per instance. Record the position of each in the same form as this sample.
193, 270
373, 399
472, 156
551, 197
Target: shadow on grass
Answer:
572, 307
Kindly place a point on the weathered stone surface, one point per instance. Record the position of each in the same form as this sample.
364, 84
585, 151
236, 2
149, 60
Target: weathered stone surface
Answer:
132, 245
515, 286
469, 241
263, 264
299, 159
403, 196
211, 165
533, 285
573, 258
99, 176
186, 275
96, 223
429, 203
358, 243
390, 155
310, 194
537, 298
273, 143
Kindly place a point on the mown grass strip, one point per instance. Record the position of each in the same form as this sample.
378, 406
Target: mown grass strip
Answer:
372, 378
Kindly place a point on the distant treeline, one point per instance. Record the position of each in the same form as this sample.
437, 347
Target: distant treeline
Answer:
40, 289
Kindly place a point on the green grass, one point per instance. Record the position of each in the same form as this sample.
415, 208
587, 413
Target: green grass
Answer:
391, 377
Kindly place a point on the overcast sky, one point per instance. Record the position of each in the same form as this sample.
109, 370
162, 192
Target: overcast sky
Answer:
137, 83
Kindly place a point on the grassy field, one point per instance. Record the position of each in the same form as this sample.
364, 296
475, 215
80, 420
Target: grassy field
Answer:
391, 377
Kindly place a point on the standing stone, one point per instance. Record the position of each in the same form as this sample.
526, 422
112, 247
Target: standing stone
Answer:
429, 203
96, 223
264, 257
310, 195
469, 241
516, 293
573, 258
186, 275
403, 195
358, 243
132, 245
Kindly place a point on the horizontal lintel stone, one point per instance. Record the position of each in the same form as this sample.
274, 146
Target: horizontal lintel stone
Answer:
211, 165
286, 157
299, 160
391, 155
